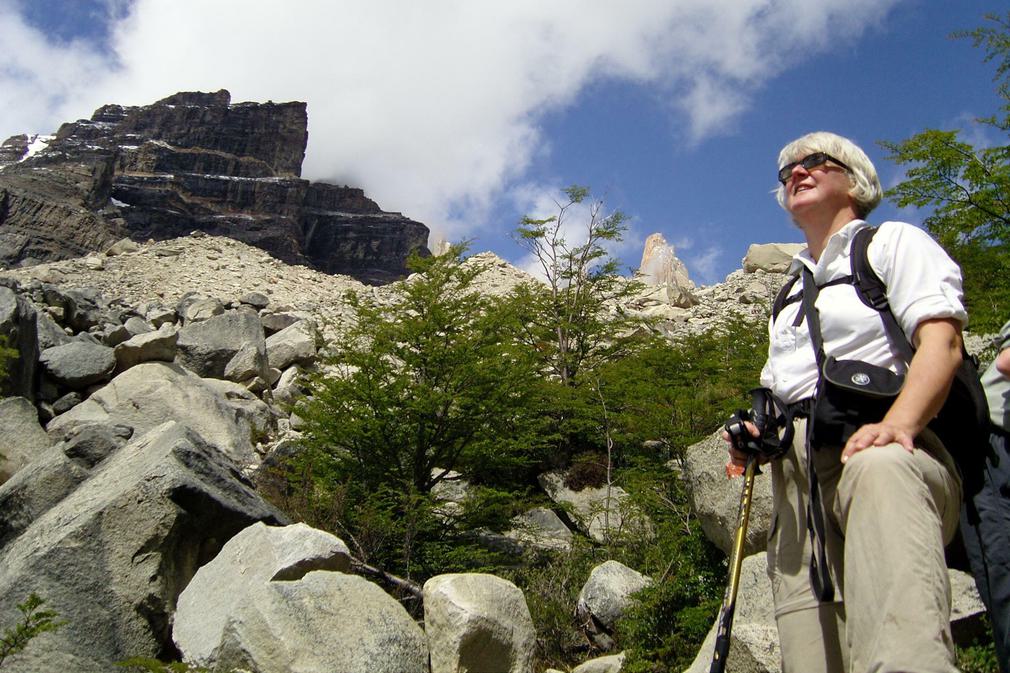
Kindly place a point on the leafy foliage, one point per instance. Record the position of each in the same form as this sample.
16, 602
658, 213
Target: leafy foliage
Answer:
34, 622
431, 384
565, 321
155, 666
966, 188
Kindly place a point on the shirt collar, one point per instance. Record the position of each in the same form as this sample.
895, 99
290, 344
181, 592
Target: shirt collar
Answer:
838, 246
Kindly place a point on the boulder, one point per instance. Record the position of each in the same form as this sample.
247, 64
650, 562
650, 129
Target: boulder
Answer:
78, 364
257, 555
541, 528
754, 641
715, 499
18, 328
609, 664
113, 554
54, 473
292, 345
321, 623
206, 347
154, 346
770, 257
477, 622
152, 393
49, 333
600, 512
201, 309
22, 438
604, 598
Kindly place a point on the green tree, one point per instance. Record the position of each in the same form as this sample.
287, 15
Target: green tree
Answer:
966, 188
573, 322
433, 382
567, 319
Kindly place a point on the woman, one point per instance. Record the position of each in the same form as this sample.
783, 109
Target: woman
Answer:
855, 551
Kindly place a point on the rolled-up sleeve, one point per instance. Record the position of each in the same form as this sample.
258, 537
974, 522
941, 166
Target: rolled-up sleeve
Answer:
923, 282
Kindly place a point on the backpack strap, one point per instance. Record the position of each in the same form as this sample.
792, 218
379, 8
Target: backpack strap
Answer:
782, 299
872, 291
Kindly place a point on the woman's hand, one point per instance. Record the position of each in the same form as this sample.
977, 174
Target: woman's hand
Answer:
738, 459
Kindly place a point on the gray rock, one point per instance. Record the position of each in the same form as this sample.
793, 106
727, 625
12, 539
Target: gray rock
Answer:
477, 622
67, 402
113, 335
18, 326
78, 364
84, 308
114, 553
137, 325
246, 364
54, 473
255, 556
158, 346
152, 393
49, 333
159, 315
257, 300
599, 512
321, 623
770, 257
754, 644
121, 247
716, 500
22, 438
202, 309
605, 597
288, 390
292, 345
208, 346
613, 663
541, 528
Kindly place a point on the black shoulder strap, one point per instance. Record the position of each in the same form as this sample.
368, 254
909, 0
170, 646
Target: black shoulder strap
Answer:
782, 299
872, 291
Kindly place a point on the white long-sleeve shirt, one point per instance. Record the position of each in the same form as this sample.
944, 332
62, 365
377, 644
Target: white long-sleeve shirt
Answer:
922, 281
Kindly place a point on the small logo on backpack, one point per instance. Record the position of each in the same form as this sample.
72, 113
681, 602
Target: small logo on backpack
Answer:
861, 379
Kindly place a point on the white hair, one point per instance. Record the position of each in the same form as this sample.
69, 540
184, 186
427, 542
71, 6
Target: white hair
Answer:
866, 190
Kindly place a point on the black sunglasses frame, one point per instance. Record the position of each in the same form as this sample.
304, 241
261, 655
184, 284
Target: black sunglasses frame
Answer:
809, 162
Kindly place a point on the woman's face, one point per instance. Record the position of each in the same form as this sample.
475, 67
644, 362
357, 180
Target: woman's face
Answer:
819, 190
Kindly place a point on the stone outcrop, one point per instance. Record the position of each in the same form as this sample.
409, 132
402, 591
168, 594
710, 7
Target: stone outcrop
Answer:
715, 499
192, 162
604, 598
600, 513
113, 553
22, 438
661, 267
477, 622
770, 257
257, 555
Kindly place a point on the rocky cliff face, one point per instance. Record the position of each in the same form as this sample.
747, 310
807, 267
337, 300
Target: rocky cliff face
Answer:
191, 162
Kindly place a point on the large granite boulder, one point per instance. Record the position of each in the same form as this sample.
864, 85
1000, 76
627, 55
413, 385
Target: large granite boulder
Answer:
604, 598
208, 346
18, 331
477, 622
257, 555
78, 364
321, 623
715, 499
600, 512
22, 439
152, 393
113, 554
770, 257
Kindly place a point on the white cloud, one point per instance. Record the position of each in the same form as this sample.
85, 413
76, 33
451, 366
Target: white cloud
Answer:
702, 267
433, 107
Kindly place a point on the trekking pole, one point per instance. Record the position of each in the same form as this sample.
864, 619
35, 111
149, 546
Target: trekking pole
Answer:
729, 601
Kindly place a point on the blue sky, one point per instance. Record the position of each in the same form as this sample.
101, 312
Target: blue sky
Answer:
466, 114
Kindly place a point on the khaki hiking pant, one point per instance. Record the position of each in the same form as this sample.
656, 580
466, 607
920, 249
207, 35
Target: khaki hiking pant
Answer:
889, 514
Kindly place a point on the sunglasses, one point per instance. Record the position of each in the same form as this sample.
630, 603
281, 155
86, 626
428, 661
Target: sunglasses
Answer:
809, 162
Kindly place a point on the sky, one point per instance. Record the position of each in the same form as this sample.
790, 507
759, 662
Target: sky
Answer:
468, 114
